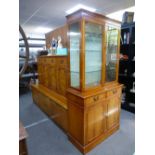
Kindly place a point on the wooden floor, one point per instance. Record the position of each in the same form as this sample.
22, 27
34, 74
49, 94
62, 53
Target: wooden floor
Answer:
45, 138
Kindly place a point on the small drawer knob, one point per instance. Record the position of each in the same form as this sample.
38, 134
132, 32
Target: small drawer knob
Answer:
62, 61
114, 91
96, 98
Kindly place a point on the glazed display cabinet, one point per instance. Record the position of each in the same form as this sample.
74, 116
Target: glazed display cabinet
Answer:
80, 91
94, 94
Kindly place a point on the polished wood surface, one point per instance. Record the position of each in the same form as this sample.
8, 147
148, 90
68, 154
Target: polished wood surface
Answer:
92, 115
22, 140
91, 15
52, 71
61, 31
52, 103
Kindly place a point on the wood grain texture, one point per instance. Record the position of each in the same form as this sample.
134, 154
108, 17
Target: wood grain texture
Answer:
61, 31
91, 116
52, 71
53, 104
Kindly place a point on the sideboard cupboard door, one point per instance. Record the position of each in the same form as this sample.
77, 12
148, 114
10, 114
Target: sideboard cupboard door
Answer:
52, 77
113, 105
46, 71
96, 121
61, 81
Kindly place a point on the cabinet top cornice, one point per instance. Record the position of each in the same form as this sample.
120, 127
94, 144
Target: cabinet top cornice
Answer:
84, 13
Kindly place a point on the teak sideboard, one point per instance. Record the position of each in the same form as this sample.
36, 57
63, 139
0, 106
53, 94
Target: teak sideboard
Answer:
80, 91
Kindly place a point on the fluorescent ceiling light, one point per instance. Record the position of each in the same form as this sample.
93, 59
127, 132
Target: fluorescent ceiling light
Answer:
43, 29
80, 6
74, 33
119, 14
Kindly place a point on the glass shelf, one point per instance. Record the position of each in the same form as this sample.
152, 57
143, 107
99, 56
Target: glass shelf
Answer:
93, 50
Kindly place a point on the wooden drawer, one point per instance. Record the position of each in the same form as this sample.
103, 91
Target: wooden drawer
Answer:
62, 62
47, 61
96, 98
52, 61
116, 91
41, 60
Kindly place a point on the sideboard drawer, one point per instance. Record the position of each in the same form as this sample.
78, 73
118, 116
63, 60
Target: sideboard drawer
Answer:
62, 62
112, 92
94, 99
52, 62
116, 91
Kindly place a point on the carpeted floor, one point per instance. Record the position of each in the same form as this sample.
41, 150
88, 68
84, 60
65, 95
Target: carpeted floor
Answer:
45, 138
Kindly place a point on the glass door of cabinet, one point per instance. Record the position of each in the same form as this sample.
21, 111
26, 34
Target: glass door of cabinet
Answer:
93, 54
74, 33
111, 53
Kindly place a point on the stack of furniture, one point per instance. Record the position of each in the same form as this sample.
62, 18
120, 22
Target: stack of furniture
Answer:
80, 91
127, 66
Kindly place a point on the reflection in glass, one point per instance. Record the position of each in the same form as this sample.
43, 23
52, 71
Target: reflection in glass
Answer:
111, 54
93, 54
74, 54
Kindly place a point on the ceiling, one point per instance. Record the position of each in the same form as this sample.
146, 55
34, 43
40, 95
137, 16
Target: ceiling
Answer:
51, 13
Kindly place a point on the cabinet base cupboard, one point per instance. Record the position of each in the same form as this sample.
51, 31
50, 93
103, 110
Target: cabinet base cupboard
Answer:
93, 117
80, 91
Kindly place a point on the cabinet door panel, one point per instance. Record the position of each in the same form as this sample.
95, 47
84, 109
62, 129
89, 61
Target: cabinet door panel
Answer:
46, 75
62, 81
52, 77
96, 121
113, 111
75, 119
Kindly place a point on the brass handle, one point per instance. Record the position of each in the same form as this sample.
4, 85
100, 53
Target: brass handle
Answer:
114, 91
96, 98
62, 61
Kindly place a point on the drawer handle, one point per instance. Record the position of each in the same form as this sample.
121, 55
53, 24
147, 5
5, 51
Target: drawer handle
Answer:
62, 61
114, 91
96, 98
